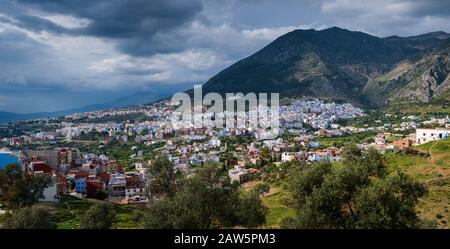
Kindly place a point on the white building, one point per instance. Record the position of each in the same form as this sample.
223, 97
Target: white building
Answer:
427, 135
287, 157
380, 139
214, 142
238, 174
50, 192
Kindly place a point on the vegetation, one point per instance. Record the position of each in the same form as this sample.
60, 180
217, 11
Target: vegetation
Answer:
207, 200
99, 216
33, 217
18, 189
431, 166
364, 192
279, 205
346, 140
70, 211
262, 188
361, 194
163, 181
437, 106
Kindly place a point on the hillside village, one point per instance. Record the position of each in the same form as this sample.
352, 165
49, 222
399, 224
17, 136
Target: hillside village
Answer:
310, 131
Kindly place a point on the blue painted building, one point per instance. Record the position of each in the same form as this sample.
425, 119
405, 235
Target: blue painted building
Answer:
8, 158
80, 186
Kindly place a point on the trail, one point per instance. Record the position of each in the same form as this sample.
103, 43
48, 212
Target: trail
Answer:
430, 151
433, 159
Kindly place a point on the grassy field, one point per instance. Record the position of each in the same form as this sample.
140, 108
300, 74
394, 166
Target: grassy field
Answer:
432, 170
277, 200
70, 210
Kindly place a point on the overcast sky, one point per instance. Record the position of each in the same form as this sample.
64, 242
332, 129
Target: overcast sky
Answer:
59, 54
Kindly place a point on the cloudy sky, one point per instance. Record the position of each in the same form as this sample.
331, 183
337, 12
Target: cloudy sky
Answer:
60, 54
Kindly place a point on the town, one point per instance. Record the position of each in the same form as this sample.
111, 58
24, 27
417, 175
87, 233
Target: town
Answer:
80, 152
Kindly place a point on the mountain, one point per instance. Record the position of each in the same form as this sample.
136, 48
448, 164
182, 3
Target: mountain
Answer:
423, 42
138, 98
420, 80
9, 116
339, 64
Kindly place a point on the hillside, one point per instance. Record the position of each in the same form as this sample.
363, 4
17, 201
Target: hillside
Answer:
345, 65
420, 81
434, 171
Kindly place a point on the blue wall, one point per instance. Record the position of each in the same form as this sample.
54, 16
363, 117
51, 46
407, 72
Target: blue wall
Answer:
80, 186
6, 158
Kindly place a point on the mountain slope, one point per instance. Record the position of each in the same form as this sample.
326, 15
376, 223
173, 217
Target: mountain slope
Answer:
423, 42
9, 116
334, 64
421, 81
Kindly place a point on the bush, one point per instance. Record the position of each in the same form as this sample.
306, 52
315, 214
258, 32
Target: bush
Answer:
361, 194
99, 216
262, 188
411, 151
30, 218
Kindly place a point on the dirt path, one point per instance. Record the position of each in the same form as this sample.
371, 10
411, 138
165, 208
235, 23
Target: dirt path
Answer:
272, 191
436, 180
430, 152
444, 172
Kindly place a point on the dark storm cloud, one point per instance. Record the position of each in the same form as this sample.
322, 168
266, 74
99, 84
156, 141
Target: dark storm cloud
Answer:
137, 25
144, 28
430, 8
388, 17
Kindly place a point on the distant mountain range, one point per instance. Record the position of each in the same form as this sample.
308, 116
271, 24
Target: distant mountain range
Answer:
136, 99
339, 64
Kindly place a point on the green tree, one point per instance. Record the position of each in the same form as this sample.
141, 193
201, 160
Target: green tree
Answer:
101, 195
33, 217
137, 216
145, 132
306, 180
251, 212
99, 216
388, 203
262, 188
163, 178
265, 154
361, 194
19, 189
206, 200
